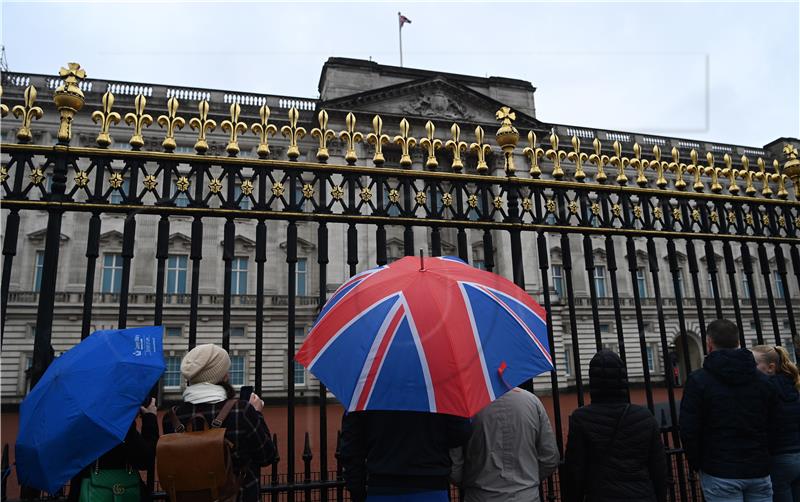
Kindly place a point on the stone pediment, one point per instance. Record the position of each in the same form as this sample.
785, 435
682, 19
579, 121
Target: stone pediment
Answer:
433, 98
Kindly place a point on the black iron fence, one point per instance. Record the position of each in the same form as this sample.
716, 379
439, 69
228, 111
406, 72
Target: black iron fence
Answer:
559, 196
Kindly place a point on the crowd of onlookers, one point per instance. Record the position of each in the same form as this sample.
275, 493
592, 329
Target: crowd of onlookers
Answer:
739, 428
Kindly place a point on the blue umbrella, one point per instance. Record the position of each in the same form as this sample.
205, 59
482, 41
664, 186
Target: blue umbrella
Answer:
85, 403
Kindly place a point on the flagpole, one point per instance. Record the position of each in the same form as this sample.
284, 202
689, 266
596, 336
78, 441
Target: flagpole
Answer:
400, 33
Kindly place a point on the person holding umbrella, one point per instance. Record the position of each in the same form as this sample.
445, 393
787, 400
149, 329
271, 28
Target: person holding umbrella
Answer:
412, 350
136, 453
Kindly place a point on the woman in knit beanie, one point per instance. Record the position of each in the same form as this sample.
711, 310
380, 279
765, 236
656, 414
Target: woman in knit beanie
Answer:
205, 369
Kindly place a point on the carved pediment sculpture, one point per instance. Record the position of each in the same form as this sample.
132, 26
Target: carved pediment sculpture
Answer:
439, 105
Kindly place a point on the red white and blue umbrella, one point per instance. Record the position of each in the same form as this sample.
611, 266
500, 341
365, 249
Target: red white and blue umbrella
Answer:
443, 337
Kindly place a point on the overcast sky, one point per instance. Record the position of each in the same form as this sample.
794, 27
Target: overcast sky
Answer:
725, 71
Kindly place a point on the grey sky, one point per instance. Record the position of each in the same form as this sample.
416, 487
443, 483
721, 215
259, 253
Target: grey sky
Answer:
645, 67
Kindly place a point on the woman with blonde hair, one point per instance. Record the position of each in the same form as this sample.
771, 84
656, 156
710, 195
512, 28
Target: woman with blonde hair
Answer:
784, 441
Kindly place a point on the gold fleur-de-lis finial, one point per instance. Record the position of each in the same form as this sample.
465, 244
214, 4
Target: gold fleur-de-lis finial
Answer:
556, 156
678, 168
639, 165
430, 144
350, 136
106, 117
618, 161
264, 130
599, 160
138, 119
234, 127
324, 135
171, 121
27, 113
714, 172
456, 146
729, 172
533, 153
202, 124
405, 141
780, 178
697, 170
378, 139
747, 175
764, 177
507, 137
3, 107
481, 148
792, 167
294, 133
69, 99
578, 158
659, 165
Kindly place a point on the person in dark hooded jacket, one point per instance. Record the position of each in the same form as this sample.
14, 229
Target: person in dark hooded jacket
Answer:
784, 437
726, 413
614, 451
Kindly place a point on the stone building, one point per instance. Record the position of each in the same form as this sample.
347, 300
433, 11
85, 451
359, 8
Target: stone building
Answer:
364, 88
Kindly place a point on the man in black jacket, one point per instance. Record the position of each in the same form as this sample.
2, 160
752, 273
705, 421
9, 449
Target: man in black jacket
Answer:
726, 414
399, 455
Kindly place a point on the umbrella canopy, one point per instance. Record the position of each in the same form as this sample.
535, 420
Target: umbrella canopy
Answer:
447, 338
85, 403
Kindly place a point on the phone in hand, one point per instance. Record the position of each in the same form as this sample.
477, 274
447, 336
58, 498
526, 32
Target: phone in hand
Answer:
244, 392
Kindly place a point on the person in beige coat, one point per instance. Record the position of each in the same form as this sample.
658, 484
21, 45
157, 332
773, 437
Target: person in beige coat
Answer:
511, 449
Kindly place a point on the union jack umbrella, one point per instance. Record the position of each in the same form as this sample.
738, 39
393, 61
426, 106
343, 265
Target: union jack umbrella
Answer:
443, 337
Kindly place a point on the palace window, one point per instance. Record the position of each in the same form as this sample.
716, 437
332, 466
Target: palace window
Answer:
239, 276
172, 374
37, 276
301, 275
112, 273
177, 266
600, 281
558, 280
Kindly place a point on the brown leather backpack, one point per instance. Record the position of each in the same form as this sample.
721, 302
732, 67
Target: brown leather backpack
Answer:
196, 465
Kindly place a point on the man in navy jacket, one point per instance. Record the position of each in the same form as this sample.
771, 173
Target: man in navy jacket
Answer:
726, 413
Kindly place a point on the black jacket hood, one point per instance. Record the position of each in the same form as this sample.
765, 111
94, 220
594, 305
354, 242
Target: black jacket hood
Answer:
608, 379
732, 366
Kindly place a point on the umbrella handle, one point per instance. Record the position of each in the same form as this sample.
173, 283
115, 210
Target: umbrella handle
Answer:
421, 261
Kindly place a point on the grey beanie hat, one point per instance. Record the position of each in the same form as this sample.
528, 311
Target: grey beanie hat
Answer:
205, 363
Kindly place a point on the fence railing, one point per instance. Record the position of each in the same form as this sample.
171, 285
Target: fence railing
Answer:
629, 208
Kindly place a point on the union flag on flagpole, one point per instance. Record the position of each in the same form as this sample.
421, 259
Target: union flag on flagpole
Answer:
403, 19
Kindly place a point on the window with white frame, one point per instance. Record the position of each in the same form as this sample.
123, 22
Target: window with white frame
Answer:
299, 369
237, 370
239, 275
172, 373
641, 282
26, 373
680, 289
778, 285
568, 368
301, 276
711, 286
558, 280
651, 357
237, 331
479, 264
177, 267
37, 274
112, 273
600, 281
745, 286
